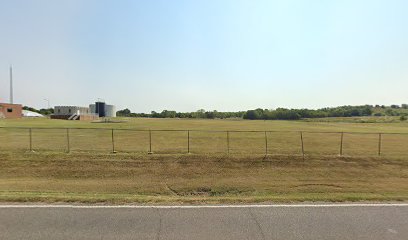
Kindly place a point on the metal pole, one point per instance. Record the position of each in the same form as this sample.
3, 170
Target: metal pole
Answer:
228, 143
303, 148
188, 141
341, 144
113, 143
379, 144
150, 142
266, 144
68, 146
31, 139
11, 85
48, 102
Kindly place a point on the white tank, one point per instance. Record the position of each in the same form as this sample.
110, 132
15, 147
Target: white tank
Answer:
92, 108
110, 111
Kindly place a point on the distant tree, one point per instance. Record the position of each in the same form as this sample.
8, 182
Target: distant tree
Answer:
168, 114
199, 114
392, 112
155, 114
46, 111
123, 113
252, 115
367, 110
31, 109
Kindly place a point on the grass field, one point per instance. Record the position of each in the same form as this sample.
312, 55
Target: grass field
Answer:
126, 178
90, 173
318, 137
362, 124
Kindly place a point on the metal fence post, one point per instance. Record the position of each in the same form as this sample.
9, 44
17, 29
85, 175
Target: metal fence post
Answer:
228, 143
150, 142
68, 146
303, 148
266, 144
31, 139
113, 143
341, 144
379, 144
188, 141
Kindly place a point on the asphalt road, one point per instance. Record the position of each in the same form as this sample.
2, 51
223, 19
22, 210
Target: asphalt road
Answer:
268, 222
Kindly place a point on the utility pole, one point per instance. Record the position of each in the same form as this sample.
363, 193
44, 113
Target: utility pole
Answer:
11, 84
48, 102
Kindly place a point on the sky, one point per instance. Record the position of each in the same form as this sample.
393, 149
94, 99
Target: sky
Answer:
225, 55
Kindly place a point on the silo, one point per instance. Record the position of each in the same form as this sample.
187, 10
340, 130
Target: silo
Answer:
110, 111
100, 109
92, 108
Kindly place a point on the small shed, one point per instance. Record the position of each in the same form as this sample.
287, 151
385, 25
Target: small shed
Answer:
8, 110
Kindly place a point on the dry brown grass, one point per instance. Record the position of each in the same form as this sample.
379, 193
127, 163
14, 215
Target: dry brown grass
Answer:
123, 178
90, 173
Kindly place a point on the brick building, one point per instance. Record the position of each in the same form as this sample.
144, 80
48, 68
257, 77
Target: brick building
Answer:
8, 110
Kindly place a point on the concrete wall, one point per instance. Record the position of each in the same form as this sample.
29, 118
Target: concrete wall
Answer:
92, 108
70, 110
11, 110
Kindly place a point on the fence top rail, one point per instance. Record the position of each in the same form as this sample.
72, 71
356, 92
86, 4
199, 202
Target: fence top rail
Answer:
202, 130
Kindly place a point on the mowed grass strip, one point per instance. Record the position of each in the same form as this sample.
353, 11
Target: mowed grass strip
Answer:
198, 178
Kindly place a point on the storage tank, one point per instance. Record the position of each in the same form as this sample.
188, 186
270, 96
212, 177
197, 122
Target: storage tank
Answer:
110, 111
100, 109
92, 108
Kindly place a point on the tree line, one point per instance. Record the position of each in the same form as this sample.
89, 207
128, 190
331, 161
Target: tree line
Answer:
267, 114
280, 113
296, 114
173, 114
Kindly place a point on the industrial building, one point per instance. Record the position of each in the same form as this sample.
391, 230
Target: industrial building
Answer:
73, 113
102, 109
94, 111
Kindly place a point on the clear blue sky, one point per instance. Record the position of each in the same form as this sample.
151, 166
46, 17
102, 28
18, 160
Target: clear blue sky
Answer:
211, 54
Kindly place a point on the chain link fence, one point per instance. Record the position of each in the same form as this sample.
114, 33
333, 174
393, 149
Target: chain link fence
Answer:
204, 141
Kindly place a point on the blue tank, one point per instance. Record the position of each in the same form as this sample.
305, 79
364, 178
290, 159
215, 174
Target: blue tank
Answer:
100, 109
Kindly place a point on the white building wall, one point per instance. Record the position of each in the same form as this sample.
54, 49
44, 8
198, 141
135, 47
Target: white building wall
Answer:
92, 108
69, 110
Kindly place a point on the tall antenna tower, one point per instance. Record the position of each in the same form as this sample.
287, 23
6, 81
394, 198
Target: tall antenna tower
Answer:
11, 84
